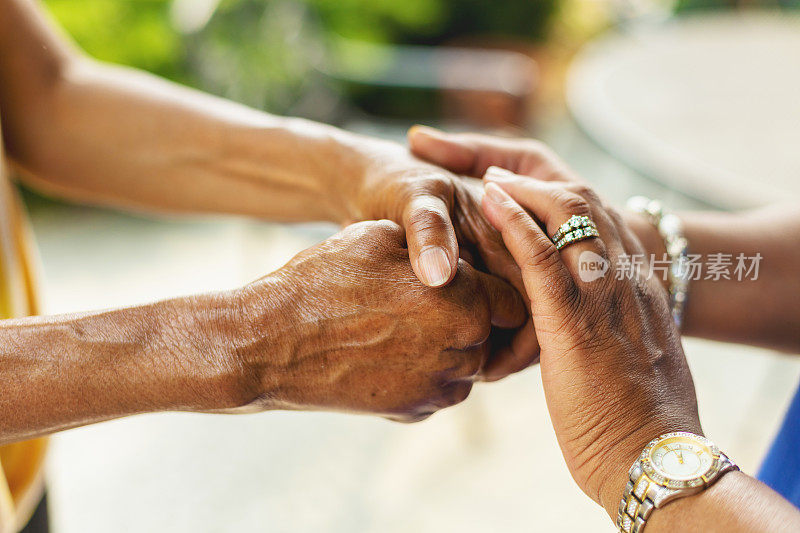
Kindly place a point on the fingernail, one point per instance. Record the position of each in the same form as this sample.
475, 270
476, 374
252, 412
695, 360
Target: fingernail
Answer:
498, 174
425, 130
495, 193
434, 266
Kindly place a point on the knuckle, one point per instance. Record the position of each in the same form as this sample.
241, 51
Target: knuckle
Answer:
472, 329
378, 236
381, 229
571, 202
461, 392
438, 185
584, 191
567, 295
455, 393
473, 366
422, 219
539, 256
519, 217
479, 330
425, 182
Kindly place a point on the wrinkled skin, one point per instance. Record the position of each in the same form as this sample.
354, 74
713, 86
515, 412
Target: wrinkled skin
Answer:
470, 155
613, 369
360, 333
439, 208
513, 351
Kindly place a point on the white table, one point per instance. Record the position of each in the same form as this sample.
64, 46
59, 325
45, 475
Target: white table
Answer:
709, 104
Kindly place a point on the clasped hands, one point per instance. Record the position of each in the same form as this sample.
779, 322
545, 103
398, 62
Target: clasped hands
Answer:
350, 325
397, 315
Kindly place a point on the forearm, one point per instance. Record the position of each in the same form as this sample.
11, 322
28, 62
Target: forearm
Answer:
763, 311
124, 138
110, 135
66, 371
736, 503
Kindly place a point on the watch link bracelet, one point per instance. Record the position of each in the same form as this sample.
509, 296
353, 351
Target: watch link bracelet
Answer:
671, 466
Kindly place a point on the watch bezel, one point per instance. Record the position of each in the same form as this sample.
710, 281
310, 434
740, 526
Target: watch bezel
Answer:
677, 484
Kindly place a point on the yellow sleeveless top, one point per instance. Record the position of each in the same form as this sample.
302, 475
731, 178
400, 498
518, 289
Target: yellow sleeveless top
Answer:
21, 480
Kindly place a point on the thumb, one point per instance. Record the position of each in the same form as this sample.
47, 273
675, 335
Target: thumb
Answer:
446, 150
432, 244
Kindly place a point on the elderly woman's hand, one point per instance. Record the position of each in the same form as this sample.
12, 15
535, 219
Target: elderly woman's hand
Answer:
613, 369
441, 215
357, 332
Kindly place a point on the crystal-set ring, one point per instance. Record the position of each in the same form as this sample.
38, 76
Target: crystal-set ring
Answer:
577, 228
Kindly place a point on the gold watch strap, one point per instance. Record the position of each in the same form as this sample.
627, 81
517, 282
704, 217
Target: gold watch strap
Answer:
642, 494
635, 506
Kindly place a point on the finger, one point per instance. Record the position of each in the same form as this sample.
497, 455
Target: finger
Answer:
521, 352
467, 364
554, 204
471, 154
451, 394
432, 244
445, 150
630, 242
551, 203
506, 306
547, 281
473, 229
467, 255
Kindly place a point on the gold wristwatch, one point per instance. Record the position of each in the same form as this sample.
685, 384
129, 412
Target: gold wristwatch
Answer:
671, 466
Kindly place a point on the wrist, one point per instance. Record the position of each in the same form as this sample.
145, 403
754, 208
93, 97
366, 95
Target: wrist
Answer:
240, 339
197, 334
263, 338
370, 160
315, 170
618, 461
344, 164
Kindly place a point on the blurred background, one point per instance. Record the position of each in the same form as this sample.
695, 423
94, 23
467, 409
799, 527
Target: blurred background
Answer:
694, 102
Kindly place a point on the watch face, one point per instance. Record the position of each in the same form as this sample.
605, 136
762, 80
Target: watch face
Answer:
680, 460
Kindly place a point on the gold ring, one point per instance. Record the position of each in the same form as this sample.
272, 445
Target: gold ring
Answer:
577, 228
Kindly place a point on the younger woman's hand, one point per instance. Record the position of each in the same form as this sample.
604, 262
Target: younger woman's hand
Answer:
613, 369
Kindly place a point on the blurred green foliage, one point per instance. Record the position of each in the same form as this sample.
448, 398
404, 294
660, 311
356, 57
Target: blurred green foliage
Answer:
436, 21
129, 32
139, 33
380, 20
266, 54
274, 54
527, 20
